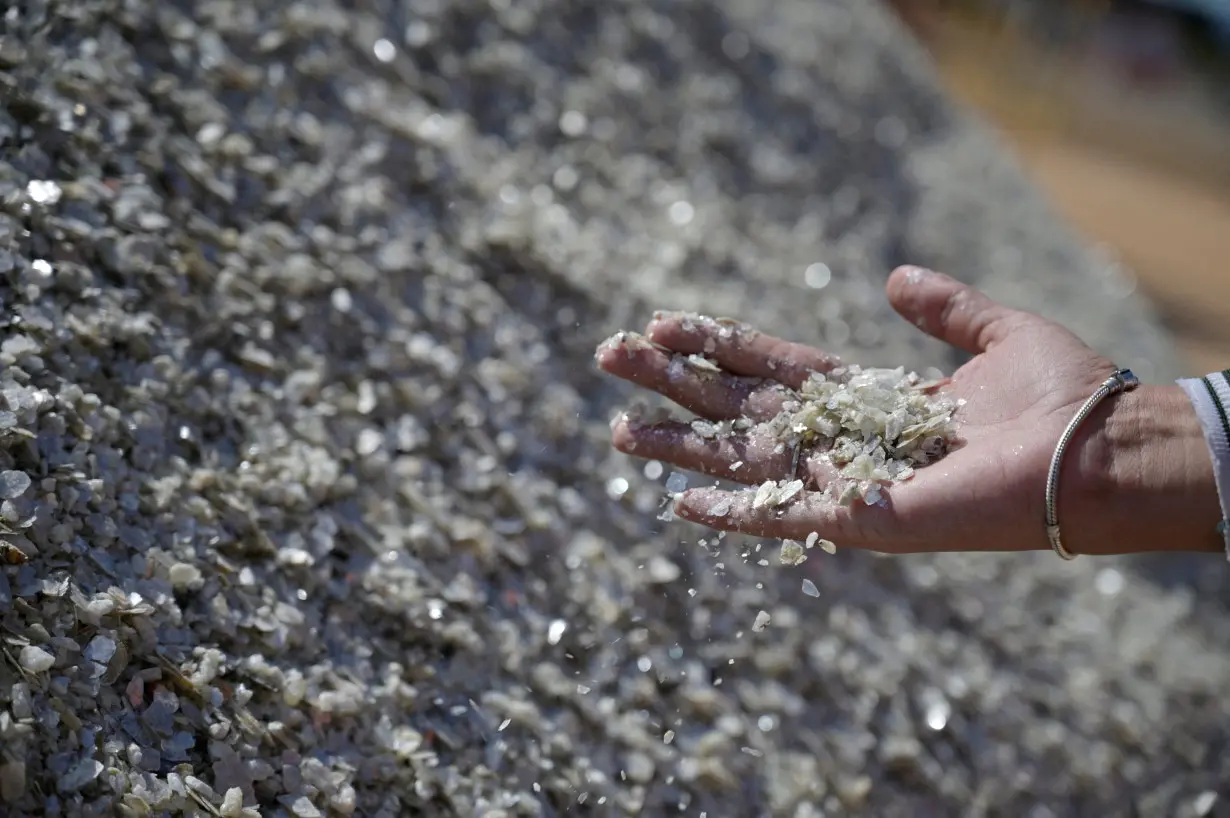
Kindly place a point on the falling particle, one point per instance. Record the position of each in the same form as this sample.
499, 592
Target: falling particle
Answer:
504, 725
817, 276
555, 631
668, 736
384, 50
762, 621
582, 689
765, 723
616, 487
792, 553
720, 509
653, 469
810, 588
681, 213
827, 546
676, 483
41, 266
644, 664
661, 570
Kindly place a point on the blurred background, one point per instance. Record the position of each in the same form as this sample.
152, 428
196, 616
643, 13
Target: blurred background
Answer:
1121, 112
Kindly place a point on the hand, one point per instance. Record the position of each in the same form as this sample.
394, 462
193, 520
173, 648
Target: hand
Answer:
1134, 464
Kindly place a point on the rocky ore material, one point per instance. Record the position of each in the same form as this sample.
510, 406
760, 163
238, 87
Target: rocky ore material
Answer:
306, 490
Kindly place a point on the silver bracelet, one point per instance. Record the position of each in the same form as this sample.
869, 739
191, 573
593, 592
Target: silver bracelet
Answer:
1121, 381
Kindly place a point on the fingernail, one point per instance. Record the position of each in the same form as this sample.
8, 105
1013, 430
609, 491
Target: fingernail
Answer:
916, 275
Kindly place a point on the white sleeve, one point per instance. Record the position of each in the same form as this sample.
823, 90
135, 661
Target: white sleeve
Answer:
1210, 396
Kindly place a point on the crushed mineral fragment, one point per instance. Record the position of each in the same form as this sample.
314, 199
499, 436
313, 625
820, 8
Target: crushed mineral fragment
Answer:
792, 553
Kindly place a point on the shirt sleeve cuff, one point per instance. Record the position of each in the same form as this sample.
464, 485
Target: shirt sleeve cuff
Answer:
1210, 396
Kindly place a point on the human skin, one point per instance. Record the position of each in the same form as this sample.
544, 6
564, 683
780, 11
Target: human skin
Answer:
1137, 476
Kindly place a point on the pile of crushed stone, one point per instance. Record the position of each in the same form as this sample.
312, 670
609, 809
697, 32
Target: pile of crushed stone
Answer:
307, 505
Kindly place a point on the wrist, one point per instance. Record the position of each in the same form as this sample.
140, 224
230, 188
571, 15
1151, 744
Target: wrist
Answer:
1145, 478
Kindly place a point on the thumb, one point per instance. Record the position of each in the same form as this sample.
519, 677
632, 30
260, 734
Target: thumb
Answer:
951, 311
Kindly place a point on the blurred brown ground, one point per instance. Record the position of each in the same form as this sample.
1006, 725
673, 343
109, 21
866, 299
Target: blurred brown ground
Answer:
1123, 134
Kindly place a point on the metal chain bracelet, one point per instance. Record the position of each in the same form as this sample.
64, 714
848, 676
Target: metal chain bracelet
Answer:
1122, 380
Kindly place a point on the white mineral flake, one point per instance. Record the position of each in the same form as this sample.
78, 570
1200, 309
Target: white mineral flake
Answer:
676, 370
82, 773
13, 484
35, 659
810, 588
644, 664
937, 714
676, 483
661, 570
184, 575
1203, 803
100, 649
720, 509
668, 736
792, 553
765, 493
384, 50
232, 803
555, 631
44, 191
304, 808
827, 546
789, 491
42, 266
762, 621
653, 470
368, 442
702, 363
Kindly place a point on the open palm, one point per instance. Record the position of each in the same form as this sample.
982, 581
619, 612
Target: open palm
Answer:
1027, 378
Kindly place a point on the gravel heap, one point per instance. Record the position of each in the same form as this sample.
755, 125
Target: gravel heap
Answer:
307, 501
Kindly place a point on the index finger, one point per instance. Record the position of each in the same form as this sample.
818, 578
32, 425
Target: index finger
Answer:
740, 348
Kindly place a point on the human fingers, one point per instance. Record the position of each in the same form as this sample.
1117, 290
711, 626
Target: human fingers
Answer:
748, 457
700, 387
739, 348
954, 312
857, 525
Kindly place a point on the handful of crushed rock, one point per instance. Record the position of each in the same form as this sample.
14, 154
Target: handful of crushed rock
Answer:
874, 425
